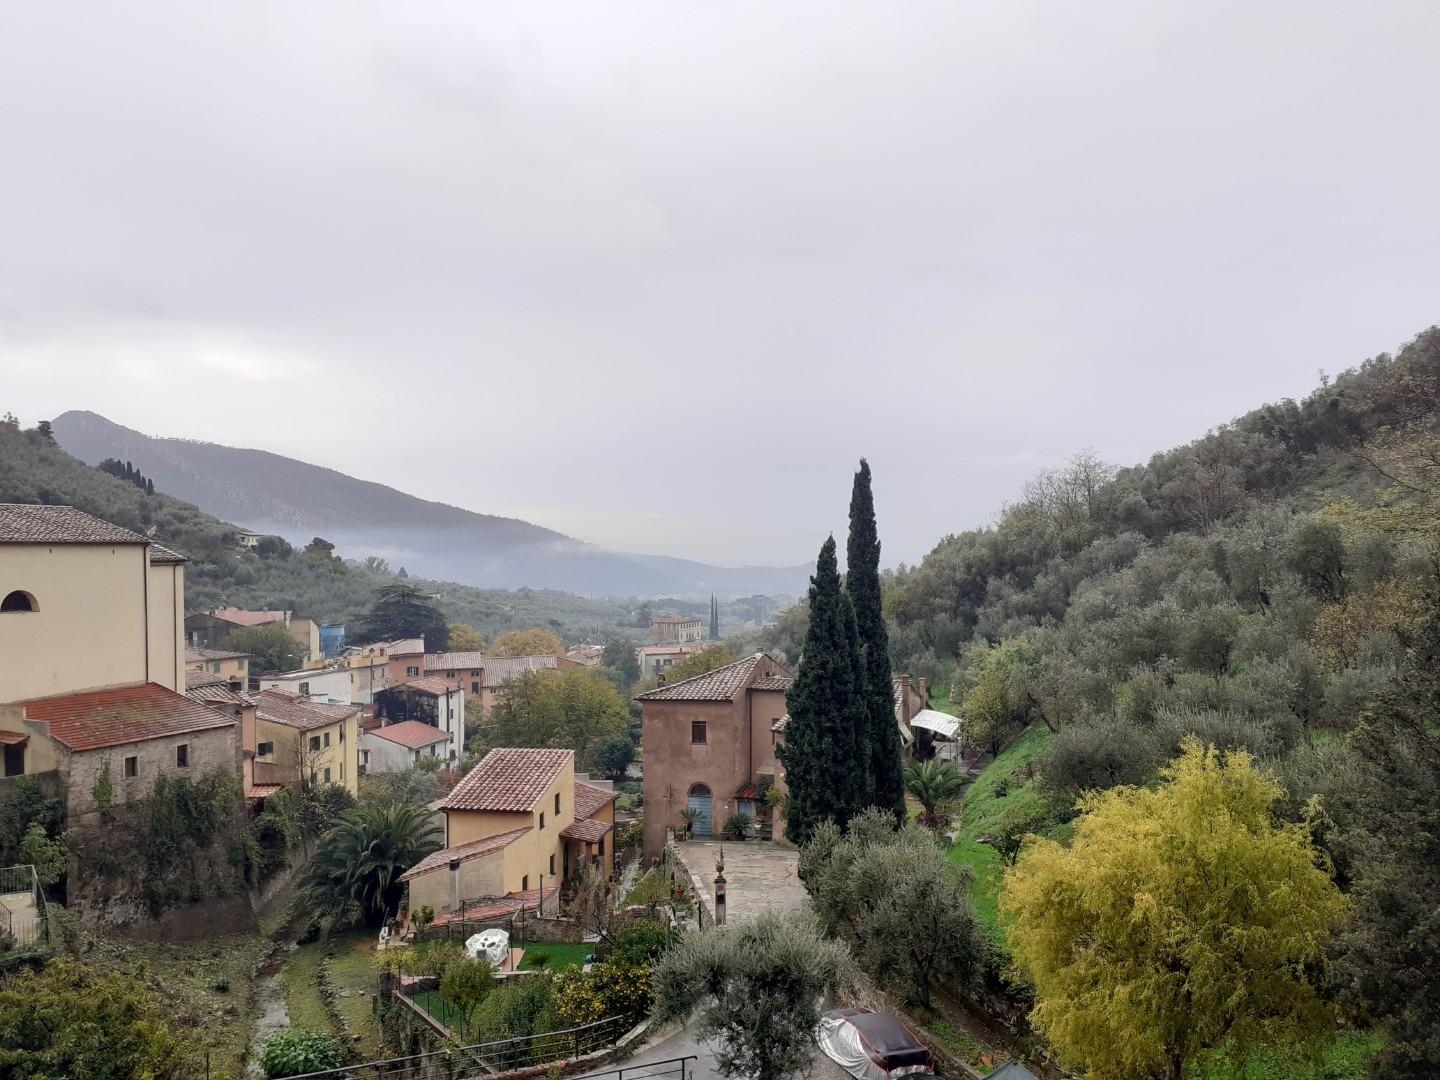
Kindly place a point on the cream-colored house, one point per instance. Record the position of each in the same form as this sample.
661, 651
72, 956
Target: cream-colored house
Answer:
516, 827
92, 661
305, 742
233, 667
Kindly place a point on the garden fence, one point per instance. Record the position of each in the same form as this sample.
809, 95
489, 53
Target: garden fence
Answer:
24, 916
504, 1055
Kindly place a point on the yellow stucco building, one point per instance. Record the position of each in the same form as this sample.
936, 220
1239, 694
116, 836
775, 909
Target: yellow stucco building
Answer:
516, 827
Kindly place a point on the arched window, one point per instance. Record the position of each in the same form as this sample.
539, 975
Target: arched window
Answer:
699, 789
19, 601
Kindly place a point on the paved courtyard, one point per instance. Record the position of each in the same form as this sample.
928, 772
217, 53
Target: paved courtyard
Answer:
759, 875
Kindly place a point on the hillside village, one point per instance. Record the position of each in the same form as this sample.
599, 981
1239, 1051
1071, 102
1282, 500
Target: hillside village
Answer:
361, 842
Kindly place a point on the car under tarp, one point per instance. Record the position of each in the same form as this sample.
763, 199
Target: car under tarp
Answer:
871, 1046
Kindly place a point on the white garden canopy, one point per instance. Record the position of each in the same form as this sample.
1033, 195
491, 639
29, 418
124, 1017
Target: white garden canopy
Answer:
942, 724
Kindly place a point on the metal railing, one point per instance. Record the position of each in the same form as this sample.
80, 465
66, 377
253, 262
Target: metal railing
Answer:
24, 916
505, 1055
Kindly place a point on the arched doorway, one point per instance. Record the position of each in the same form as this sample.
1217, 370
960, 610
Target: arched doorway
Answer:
701, 803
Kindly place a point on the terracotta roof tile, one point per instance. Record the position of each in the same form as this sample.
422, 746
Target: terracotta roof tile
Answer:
772, 682
218, 693
589, 799
497, 669
161, 556
195, 679
241, 617
508, 904
430, 684
23, 523
722, 684
261, 791
411, 734
122, 714
292, 710
508, 780
587, 829
192, 653
472, 850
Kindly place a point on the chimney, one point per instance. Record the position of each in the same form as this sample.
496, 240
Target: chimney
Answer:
659, 679
924, 693
454, 884
905, 713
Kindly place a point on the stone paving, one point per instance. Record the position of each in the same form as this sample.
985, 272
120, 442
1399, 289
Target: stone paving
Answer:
759, 875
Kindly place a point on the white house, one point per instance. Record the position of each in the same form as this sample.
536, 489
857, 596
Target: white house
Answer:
330, 686
433, 702
397, 747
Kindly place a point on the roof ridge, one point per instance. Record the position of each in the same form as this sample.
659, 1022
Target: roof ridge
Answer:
706, 674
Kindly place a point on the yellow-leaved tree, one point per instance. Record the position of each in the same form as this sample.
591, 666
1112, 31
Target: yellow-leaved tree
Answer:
537, 641
1176, 921
465, 638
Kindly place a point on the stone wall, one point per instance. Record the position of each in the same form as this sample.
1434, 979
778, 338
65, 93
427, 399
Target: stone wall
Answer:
216, 749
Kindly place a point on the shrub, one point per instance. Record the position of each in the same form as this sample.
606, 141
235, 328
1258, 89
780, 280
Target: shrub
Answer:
608, 989
538, 958
466, 984
517, 1007
642, 943
1100, 755
738, 825
296, 1051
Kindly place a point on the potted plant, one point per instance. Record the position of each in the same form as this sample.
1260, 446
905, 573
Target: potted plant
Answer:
689, 816
738, 825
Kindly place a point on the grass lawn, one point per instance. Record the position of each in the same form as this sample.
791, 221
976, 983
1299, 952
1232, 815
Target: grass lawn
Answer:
986, 812
204, 985
356, 980
301, 979
1347, 1058
562, 954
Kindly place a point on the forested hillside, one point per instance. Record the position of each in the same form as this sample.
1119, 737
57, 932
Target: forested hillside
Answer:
313, 583
1273, 587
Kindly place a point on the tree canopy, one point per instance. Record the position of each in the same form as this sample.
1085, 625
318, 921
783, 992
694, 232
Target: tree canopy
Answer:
271, 647
570, 708
862, 586
402, 610
537, 641
826, 761
355, 874
1178, 920
755, 990
465, 638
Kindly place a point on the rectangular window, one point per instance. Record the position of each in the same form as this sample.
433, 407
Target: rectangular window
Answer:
304, 689
314, 742
552, 864
327, 776
557, 802
15, 760
132, 767
342, 733
602, 847
182, 756
265, 749
327, 738
542, 819
474, 687
411, 672
697, 733
474, 674
525, 883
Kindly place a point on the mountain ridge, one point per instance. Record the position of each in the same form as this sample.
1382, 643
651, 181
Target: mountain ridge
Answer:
271, 493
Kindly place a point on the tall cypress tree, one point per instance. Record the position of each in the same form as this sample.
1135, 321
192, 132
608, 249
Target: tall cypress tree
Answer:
862, 585
714, 618
819, 749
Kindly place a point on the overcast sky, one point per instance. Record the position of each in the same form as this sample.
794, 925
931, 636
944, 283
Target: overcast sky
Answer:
658, 275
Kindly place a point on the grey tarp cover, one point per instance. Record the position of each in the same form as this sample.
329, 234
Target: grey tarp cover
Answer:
942, 724
870, 1045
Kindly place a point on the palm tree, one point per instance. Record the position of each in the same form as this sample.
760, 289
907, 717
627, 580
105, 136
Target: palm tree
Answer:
933, 783
357, 867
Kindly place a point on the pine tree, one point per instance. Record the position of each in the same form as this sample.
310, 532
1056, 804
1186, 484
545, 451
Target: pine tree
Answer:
862, 586
821, 772
714, 618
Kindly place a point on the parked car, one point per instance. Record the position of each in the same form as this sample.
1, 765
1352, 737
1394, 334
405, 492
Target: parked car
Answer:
872, 1046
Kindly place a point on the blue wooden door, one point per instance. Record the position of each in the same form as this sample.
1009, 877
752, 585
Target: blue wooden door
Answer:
700, 801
